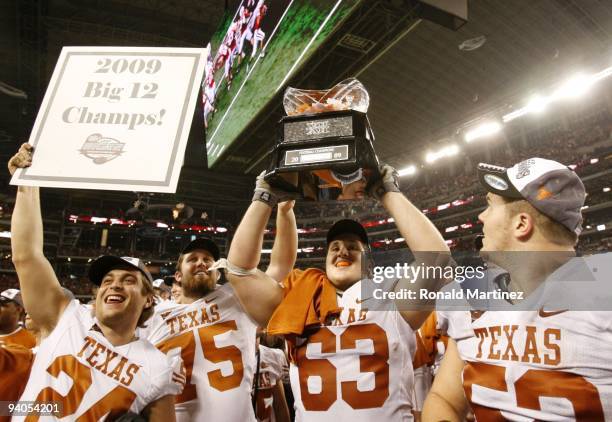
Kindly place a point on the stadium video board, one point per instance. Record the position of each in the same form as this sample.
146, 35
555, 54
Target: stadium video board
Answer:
252, 56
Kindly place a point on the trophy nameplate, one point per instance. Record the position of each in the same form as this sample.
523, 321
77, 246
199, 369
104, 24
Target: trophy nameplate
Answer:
324, 145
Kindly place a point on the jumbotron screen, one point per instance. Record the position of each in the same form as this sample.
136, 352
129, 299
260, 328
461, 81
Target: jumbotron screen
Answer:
253, 54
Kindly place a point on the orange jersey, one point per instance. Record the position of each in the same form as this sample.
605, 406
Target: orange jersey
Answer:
20, 336
15, 364
272, 363
93, 379
216, 339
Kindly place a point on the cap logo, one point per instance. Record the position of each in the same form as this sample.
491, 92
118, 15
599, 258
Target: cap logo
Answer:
496, 182
523, 168
543, 194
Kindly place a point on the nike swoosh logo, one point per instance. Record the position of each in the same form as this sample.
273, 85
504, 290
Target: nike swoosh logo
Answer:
210, 300
545, 314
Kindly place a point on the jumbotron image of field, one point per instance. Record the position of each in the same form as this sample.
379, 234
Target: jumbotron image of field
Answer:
251, 60
465, 276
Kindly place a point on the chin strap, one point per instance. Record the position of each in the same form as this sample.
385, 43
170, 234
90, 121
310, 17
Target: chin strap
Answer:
231, 268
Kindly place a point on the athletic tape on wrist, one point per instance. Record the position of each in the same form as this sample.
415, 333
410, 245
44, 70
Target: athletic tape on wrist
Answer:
223, 263
266, 197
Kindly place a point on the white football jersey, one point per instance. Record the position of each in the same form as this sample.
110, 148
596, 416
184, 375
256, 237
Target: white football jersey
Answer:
272, 364
357, 368
550, 364
94, 380
216, 339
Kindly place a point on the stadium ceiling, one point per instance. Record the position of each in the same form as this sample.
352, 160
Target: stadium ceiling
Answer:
421, 88
425, 86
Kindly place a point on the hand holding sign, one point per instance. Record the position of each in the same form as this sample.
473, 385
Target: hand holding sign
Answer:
115, 118
22, 159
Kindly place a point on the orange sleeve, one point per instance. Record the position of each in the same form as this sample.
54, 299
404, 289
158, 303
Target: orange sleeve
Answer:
426, 339
289, 282
22, 337
26, 339
15, 364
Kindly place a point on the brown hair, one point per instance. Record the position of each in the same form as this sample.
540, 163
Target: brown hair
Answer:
180, 261
147, 290
553, 231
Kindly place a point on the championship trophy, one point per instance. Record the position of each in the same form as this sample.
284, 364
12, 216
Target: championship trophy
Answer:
324, 145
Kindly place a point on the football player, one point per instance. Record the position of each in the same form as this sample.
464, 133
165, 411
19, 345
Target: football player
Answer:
539, 360
349, 360
214, 327
94, 366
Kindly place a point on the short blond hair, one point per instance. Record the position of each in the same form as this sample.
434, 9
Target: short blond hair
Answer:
553, 231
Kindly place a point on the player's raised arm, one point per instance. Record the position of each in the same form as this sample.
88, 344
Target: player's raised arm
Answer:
423, 239
446, 400
42, 293
258, 292
284, 250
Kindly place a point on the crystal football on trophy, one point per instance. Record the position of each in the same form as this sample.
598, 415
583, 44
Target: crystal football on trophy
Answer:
324, 147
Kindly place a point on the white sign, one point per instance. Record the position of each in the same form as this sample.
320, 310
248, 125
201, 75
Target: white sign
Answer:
115, 118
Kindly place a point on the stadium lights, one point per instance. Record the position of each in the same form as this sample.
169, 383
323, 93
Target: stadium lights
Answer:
484, 130
603, 74
574, 87
537, 104
447, 151
606, 189
407, 171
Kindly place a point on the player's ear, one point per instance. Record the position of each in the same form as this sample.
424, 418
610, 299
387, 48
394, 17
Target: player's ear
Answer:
149, 301
523, 225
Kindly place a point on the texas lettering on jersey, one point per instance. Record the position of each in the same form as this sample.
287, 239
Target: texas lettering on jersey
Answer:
536, 345
216, 340
108, 362
543, 368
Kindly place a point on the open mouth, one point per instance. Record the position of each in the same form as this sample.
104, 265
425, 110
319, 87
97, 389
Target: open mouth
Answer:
113, 299
342, 263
